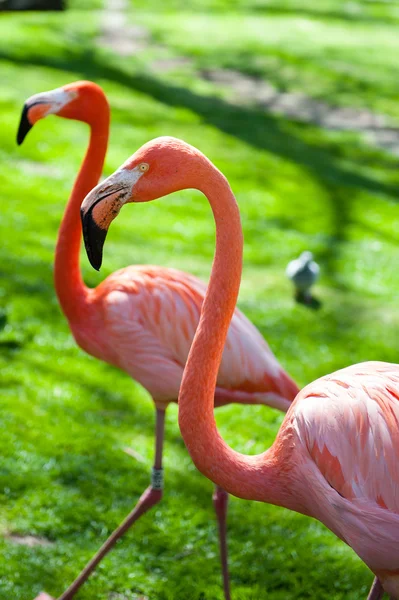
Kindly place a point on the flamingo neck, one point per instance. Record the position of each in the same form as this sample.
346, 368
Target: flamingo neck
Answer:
71, 290
250, 477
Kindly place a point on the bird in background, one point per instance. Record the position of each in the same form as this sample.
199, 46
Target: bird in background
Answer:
142, 319
303, 272
336, 455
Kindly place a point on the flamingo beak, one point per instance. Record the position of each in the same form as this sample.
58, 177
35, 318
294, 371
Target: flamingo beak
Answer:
24, 125
34, 109
98, 210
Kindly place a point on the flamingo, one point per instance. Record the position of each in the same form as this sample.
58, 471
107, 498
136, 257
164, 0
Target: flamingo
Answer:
336, 455
142, 319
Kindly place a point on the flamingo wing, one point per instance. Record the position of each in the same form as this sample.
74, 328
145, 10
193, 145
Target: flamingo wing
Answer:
151, 314
349, 423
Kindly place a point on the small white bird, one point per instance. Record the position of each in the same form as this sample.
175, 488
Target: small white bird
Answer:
303, 272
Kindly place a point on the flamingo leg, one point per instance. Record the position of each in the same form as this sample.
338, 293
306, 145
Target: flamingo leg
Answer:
151, 496
376, 591
220, 502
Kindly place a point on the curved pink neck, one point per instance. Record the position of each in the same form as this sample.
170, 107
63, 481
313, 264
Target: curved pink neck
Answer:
69, 285
251, 477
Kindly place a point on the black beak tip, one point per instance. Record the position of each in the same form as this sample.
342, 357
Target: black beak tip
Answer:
24, 126
95, 261
94, 238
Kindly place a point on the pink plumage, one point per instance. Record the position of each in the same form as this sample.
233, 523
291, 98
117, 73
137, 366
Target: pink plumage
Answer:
347, 426
148, 317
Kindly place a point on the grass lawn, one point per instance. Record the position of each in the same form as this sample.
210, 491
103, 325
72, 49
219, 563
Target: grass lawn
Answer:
66, 417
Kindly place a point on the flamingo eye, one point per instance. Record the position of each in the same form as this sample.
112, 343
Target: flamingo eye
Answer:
144, 167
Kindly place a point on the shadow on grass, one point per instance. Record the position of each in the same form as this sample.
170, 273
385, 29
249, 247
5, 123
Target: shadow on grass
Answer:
258, 129
254, 127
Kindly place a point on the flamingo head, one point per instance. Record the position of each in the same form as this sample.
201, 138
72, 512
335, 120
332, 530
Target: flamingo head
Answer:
158, 168
80, 101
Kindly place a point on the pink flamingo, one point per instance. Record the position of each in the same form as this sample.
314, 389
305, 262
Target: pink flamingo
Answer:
142, 319
336, 456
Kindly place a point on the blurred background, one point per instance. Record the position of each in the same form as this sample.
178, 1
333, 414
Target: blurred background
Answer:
296, 102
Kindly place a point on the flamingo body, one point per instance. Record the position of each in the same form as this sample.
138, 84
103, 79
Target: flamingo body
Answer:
142, 319
346, 447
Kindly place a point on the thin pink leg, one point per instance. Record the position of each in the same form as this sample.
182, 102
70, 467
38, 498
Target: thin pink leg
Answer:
376, 591
220, 502
151, 496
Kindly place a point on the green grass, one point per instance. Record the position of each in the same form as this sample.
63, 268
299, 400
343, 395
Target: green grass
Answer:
67, 417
